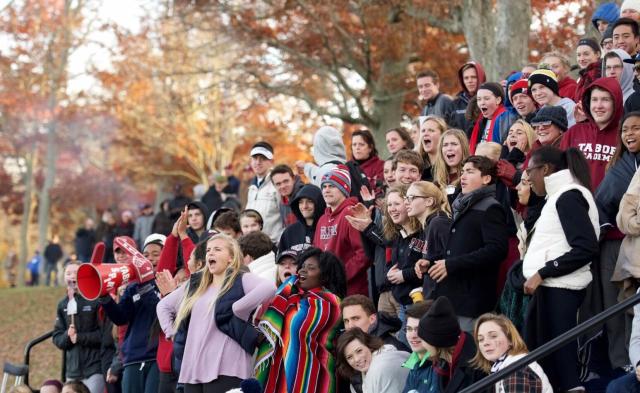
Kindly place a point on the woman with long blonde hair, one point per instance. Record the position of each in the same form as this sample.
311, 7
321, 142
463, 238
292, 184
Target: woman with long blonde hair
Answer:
215, 314
402, 235
428, 204
431, 130
499, 345
453, 149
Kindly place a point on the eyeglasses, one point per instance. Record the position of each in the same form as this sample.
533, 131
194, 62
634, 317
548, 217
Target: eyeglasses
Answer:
613, 67
528, 170
410, 198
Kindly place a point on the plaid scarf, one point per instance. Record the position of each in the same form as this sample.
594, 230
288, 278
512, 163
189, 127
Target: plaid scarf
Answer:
300, 327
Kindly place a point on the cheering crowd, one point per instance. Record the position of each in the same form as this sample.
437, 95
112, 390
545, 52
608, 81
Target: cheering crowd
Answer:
502, 218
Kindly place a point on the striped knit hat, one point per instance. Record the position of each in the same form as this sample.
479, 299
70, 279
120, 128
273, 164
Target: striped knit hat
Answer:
546, 78
338, 177
518, 87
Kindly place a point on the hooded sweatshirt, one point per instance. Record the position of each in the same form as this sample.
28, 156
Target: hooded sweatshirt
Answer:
626, 79
598, 146
608, 12
299, 235
461, 102
286, 214
328, 150
567, 87
195, 238
587, 76
335, 234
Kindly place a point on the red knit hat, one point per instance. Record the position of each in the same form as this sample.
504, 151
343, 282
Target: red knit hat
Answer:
520, 86
339, 177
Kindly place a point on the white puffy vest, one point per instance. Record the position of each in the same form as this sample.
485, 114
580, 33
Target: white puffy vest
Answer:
549, 241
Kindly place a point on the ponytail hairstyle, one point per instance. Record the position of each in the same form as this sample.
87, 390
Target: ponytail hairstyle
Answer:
571, 159
430, 190
230, 275
404, 135
621, 148
252, 213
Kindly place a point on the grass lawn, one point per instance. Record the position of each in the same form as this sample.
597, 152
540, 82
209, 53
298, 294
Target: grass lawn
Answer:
26, 313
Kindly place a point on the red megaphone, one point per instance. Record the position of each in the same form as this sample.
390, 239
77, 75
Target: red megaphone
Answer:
96, 279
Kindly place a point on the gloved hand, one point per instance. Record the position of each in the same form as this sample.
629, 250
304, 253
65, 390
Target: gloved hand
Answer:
506, 171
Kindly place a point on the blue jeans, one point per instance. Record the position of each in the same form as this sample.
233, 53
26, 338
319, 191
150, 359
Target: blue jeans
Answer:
48, 269
627, 384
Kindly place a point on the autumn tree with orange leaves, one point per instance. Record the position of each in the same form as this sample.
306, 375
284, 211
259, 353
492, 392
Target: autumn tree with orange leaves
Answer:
355, 61
179, 118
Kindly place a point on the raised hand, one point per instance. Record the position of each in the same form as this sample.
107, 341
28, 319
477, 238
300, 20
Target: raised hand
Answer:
165, 282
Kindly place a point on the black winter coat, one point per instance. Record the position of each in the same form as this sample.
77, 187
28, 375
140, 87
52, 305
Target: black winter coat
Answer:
83, 358
478, 242
299, 235
435, 236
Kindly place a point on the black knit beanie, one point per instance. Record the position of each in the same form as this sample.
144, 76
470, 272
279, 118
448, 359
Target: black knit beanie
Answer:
495, 88
555, 114
439, 326
546, 78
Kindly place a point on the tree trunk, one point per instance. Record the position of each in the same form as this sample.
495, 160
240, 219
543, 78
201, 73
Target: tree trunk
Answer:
496, 40
388, 91
58, 62
389, 112
26, 215
49, 179
511, 49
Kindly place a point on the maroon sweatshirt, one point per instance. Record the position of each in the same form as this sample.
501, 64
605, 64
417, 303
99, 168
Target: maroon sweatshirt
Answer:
597, 145
335, 234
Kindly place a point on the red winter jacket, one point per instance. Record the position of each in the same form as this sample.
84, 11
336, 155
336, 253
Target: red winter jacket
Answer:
597, 145
167, 261
567, 87
373, 168
587, 76
335, 234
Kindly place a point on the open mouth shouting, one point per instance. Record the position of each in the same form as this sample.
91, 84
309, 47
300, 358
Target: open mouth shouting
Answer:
450, 158
632, 143
427, 143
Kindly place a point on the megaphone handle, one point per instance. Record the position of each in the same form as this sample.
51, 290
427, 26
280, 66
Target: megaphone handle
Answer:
98, 253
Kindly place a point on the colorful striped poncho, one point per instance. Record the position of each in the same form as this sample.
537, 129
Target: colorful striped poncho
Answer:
301, 328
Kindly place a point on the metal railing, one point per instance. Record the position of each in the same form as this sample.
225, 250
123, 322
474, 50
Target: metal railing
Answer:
29, 347
553, 345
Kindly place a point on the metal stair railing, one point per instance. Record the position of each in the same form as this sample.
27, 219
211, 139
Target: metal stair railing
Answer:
553, 345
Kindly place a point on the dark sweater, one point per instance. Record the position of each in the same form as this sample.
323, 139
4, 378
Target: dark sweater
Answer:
435, 235
137, 308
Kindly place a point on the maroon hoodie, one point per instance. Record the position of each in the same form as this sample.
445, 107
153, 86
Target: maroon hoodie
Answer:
481, 77
567, 87
598, 146
335, 234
